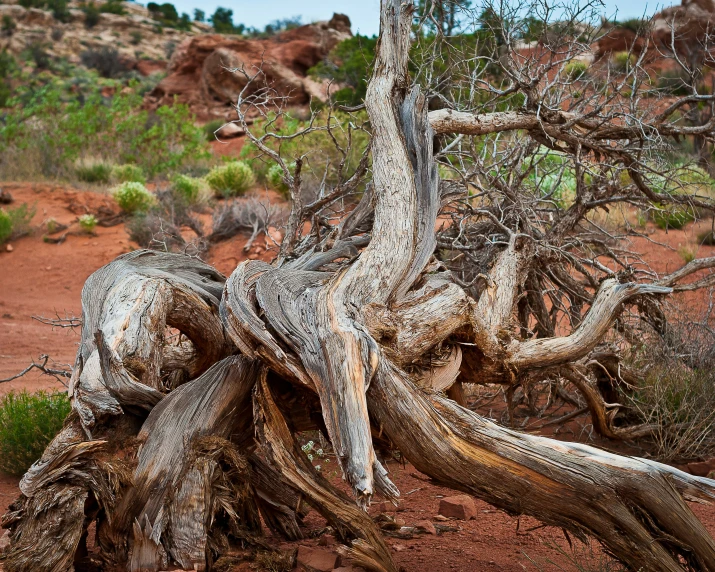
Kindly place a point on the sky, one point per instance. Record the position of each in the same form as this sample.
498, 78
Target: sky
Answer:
362, 13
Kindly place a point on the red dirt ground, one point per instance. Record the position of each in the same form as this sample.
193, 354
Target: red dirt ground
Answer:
38, 278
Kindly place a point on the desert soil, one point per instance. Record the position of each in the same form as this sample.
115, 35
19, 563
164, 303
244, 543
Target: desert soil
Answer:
40, 278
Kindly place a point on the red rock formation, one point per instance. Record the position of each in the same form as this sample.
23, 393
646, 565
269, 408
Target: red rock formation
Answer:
199, 71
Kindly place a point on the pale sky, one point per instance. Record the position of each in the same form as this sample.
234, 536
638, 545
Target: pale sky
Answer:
363, 13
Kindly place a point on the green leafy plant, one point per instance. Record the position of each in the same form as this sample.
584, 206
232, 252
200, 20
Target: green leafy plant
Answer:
28, 422
187, 188
5, 226
128, 174
88, 222
211, 127
93, 172
133, 197
274, 178
575, 69
232, 179
672, 216
21, 218
622, 61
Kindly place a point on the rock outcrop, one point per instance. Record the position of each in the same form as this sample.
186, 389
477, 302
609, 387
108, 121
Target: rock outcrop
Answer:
199, 73
141, 42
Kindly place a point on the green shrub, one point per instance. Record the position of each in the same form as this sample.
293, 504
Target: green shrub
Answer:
274, 177
91, 15
133, 197
211, 127
28, 422
135, 37
5, 226
88, 222
575, 69
232, 179
50, 128
21, 219
188, 189
94, 172
672, 216
128, 174
623, 61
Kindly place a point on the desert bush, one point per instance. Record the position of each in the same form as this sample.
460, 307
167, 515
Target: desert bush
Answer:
49, 129
91, 15
243, 215
188, 189
133, 197
211, 127
37, 52
135, 37
93, 171
622, 61
113, 7
5, 226
8, 25
57, 34
21, 219
687, 253
321, 158
672, 216
232, 179
28, 422
128, 174
105, 60
274, 178
575, 69
87, 222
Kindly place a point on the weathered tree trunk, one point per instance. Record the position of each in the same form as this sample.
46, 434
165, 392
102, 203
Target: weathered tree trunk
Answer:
208, 420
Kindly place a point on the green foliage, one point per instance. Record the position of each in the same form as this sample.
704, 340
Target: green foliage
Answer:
188, 189
5, 226
7, 69
91, 15
87, 222
37, 52
222, 21
105, 60
133, 197
575, 70
93, 172
622, 61
674, 82
349, 63
553, 177
49, 128
707, 238
8, 25
211, 127
21, 220
199, 15
128, 174
635, 25
28, 422
317, 148
113, 7
672, 216
274, 178
232, 179
165, 12
135, 37
59, 8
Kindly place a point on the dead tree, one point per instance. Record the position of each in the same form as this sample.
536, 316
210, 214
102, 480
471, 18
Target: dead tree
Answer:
189, 389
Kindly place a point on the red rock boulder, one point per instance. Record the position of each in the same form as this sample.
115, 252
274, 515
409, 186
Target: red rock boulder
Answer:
461, 507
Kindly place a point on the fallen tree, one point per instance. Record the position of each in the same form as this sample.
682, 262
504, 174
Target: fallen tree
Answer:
189, 389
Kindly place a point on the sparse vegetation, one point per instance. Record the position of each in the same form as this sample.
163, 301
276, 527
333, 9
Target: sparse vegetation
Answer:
105, 60
274, 178
575, 70
128, 174
28, 421
187, 188
21, 219
622, 61
93, 171
87, 222
5, 226
672, 216
232, 179
133, 197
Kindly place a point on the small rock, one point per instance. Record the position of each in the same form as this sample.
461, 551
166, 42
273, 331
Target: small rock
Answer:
317, 559
398, 547
440, 518
5, 197
9, 248
461, 507
426, 526
229, 130
699, 469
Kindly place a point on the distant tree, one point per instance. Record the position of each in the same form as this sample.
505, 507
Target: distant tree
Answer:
222, 20
165, 12
199, 15
441, 14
